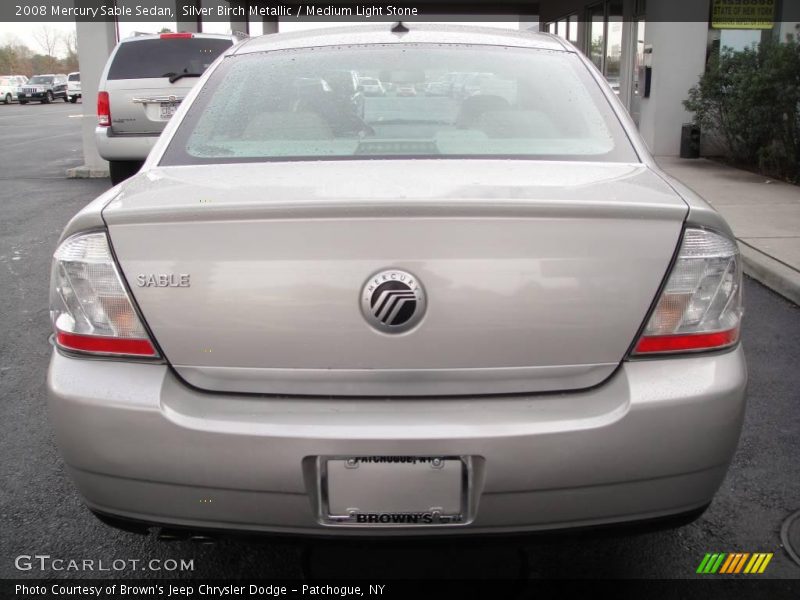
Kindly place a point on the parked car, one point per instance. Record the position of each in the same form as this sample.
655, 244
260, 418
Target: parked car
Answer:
144, 81
486, 316
44, 89
8, 89
437, 88
405, 89
74, 86
371, 86
18, 81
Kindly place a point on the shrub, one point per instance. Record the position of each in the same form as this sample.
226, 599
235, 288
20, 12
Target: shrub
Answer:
750, 101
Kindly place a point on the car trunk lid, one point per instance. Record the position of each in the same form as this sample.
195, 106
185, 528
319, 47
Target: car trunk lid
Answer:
538, 275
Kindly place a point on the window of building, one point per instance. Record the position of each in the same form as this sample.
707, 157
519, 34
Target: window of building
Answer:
597, 34
572, 28
739, 27
613, 52
604, 39
566, 28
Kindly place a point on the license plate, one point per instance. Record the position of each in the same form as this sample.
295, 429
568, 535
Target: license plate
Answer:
167, 110
394, 491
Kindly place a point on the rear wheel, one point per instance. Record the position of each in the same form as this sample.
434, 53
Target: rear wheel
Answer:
120, 170
7, 99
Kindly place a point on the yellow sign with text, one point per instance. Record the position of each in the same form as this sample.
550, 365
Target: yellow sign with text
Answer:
743, 14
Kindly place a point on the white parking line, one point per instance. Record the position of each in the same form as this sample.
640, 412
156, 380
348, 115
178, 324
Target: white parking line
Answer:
22, 115
37, 140
17, 111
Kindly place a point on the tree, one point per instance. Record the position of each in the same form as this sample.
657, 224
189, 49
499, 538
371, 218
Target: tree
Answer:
15, 58
48, 40
71, 46
751, 100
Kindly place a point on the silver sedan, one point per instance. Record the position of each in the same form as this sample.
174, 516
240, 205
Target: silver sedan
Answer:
318, 313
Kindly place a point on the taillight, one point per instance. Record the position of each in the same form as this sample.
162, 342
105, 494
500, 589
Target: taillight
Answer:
89, 306
700, 307
176, 36
103, 109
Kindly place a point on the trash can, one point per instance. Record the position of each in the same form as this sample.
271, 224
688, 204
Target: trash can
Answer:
690, 141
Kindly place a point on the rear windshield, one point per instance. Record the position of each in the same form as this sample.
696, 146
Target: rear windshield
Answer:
487, 102
75, 77
164, 57
40, 79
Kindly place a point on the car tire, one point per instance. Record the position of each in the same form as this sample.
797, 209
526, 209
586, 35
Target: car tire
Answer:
66, 98
73, 99
7, 99
120, 170
48, 98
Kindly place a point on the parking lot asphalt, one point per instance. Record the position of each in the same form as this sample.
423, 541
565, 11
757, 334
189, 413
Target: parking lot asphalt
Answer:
41, 513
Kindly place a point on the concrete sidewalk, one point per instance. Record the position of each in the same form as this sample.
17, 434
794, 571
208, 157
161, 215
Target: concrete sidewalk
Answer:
764, 215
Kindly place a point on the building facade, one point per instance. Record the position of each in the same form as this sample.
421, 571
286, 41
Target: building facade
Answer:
653, 51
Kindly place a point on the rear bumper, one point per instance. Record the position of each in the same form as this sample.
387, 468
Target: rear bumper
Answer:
653, 441
123, 147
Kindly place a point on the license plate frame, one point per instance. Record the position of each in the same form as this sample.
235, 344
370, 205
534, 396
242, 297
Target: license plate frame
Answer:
442, 504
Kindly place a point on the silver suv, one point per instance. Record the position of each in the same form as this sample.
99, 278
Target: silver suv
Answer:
145, 79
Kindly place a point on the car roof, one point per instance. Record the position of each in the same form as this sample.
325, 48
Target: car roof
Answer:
417, 34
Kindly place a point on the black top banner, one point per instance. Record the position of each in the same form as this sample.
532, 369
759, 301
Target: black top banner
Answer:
381, 10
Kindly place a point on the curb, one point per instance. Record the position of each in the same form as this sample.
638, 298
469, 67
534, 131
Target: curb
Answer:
777, 276
85, 172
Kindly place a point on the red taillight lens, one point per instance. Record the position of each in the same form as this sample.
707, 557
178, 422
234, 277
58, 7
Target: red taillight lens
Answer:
89, 305
687, 342
176, 36
103, 109
104, 345
700, 307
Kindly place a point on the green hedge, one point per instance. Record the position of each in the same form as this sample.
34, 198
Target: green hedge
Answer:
750, 100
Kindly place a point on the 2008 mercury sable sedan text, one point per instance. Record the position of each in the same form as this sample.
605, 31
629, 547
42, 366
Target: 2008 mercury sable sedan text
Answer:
475, 311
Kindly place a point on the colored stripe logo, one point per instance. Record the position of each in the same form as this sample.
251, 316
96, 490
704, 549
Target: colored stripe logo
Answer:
734, 563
